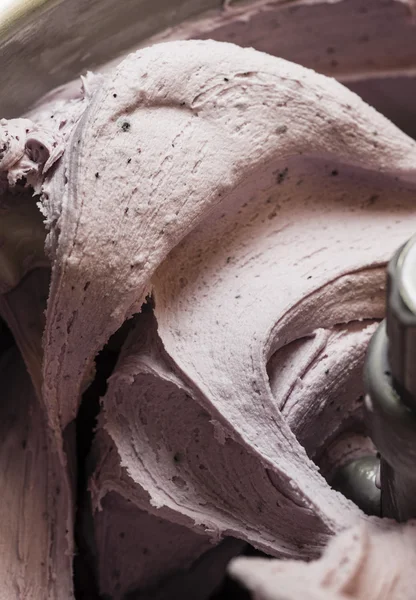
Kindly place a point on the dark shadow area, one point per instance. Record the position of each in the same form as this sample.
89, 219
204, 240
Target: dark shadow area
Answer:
6, 337
85, 583
230, 589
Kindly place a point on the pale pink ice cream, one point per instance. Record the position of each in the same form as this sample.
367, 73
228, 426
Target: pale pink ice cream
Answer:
364, 563
256, 202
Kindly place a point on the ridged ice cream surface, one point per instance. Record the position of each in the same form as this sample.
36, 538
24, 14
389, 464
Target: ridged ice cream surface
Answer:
251, 204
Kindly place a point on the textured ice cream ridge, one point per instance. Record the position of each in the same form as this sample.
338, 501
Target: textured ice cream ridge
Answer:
255, 203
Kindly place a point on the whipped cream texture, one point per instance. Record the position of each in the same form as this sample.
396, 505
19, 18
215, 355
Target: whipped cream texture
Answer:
237, 211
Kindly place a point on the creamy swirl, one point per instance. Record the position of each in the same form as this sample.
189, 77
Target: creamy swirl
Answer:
256, 203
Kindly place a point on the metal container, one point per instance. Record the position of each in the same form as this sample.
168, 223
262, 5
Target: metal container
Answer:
45, 43
366, 44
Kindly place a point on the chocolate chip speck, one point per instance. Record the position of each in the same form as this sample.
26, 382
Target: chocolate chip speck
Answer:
114, 95
281, 129
281, 176
125, 126
128, 161
97, 175
334, 173
226, 79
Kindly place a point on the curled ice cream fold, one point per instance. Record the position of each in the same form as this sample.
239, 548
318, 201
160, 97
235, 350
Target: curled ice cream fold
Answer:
232, 191
164, 140
257, 202
33, 528
363, 563
144, 552
153, 549
30, 153
44, 502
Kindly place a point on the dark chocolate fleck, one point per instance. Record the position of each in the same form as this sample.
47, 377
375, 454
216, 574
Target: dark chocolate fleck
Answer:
282, 175
281, 129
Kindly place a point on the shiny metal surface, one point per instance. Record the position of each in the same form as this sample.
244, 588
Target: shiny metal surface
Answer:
406, 266
392, 426
357, 481
46, 43
401, 321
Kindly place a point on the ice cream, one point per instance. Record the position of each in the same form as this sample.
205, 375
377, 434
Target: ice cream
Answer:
253, 203
354, 565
